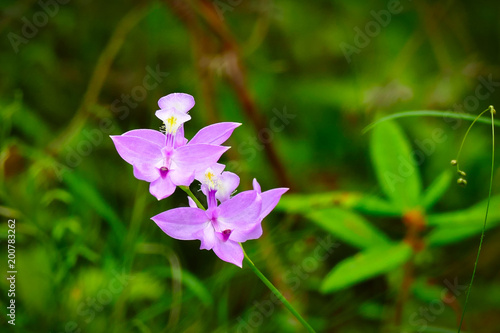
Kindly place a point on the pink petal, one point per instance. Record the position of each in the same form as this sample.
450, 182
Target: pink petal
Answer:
240, 212
180, 118
207, 237
191, 202
162, 188
182, 223
146, 172
217, 169
241, 236
136, 150
229, 251
156, 137
180, 140
179, 101
270, 199
228, 182
215, 134
256, 186
197, 157
180, 177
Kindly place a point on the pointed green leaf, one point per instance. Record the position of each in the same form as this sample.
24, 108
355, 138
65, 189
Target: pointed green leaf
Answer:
349, 227
458, 225
366, 265
395, 167
368, 204
437, 189
445, 235
470, 217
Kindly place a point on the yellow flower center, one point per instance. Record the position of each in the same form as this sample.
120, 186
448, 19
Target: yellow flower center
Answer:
211, 180
170, 124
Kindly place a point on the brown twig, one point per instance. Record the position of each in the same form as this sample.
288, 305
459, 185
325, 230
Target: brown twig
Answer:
236, 76
415, 223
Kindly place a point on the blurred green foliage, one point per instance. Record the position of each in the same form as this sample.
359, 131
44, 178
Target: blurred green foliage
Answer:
89, 259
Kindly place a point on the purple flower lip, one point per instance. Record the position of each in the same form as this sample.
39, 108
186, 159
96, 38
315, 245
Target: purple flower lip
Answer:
224, 236
163, 172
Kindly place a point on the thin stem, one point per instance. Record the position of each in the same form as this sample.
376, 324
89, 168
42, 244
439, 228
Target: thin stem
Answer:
259, 273
492, 111
276, 292
467, 133
427, 113
195, 199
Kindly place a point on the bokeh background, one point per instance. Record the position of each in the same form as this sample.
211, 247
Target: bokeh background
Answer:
304, 78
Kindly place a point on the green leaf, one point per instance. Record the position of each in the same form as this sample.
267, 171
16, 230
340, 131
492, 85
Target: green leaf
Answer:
366, 265
437, 189
461, 224
349, 227
27, 121
470, 217
446, 235
371, 310
425, 291
368, 204
91, 196
394, 165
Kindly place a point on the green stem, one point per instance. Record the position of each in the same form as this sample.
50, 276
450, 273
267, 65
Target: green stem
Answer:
492, 110
276, 292
195, 199
426, 113
259, 273
467, 133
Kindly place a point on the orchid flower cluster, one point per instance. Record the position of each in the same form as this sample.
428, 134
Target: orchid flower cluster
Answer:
166, 159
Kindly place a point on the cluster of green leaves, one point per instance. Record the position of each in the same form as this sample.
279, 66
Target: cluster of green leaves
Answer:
343, 213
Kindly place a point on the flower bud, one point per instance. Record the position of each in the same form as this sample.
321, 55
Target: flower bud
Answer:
462, 182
